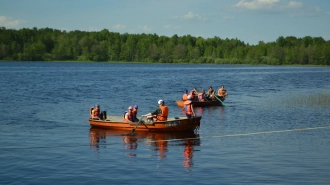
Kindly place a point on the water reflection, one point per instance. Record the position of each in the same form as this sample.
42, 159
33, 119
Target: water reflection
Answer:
160, 142
188, 153
96, 138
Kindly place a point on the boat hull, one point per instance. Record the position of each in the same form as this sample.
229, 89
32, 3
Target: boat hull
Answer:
173, 124
202, 103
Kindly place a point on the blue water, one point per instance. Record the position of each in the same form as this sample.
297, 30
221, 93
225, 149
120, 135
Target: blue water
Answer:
270, 131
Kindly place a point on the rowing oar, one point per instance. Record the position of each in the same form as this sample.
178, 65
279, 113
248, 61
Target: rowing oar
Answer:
219, 100
138, 123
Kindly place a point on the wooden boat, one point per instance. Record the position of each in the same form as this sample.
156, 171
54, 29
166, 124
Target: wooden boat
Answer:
202, 103
172, 124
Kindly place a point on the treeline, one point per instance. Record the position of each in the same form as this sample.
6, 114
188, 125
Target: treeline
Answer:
48, 44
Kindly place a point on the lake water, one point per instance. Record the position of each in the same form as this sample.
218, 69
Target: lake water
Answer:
273, 129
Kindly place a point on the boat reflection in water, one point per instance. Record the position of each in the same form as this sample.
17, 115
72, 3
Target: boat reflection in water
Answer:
161, 142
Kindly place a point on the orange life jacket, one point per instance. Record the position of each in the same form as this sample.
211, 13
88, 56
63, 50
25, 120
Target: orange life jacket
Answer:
96, 113
201, 97
164, 114
188, 107
185, 97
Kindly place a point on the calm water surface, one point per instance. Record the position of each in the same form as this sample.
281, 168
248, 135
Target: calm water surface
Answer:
273, 129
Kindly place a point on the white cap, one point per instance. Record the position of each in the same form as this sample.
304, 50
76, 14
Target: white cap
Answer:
189, 97
160, 102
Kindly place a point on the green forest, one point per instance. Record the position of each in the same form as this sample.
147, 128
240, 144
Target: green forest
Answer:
46, 44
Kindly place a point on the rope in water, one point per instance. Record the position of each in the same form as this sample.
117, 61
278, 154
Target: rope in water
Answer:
253, 133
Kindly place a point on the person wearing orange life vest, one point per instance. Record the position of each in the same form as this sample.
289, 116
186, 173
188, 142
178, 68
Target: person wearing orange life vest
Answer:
189, 108
185, 95
201, 95
161, 113
128, 116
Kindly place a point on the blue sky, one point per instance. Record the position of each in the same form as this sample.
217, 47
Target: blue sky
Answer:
250, 21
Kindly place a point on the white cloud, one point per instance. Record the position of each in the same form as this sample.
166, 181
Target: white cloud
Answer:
295, 4
227, 18
190, 16
267, 5
292, 8
171, 27
145, 28
256, 4
92, 28
118, 27
8, 22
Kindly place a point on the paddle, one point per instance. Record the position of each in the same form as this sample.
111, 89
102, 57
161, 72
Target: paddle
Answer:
138, 123
219, 99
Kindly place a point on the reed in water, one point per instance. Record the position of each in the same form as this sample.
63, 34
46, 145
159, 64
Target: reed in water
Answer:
321, 99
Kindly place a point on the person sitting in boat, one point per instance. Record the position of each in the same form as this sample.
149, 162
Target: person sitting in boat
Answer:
194, 94
95, 112
210, 93
185, 95
128, 116
161, 113
189, 108
134, 113
202, 96
222, 92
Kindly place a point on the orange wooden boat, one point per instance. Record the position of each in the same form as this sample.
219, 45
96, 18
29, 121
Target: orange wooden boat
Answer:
172, 124
202, 103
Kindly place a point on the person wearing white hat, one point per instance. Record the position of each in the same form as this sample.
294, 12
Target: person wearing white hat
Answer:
161, 113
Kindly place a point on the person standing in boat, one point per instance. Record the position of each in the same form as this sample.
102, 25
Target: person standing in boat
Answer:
128, 116
222, 92
189, 108
161, 113
134, 113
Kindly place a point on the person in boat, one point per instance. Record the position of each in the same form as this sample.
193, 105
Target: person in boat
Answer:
95, 112
222, 92
189, 108
210, 93
161, 113
134, 113
194, 94
128, 115
185, 95
202, 96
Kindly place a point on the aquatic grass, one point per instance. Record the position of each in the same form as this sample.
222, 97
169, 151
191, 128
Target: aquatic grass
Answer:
321, 99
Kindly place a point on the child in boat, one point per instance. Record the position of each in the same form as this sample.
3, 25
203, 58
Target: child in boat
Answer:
210, 93
202, 96
134, 113
128, 116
